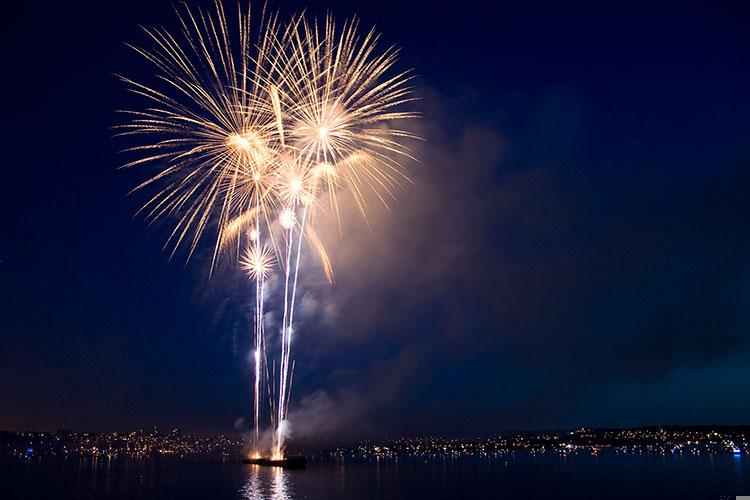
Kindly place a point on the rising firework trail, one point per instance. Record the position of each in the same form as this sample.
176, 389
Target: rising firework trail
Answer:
257, 262
250, 140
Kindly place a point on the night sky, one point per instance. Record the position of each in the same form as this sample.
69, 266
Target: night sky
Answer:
574, 249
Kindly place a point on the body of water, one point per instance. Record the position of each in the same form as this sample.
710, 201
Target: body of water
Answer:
518, 475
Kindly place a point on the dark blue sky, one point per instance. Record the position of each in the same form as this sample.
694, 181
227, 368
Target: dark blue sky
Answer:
574, 250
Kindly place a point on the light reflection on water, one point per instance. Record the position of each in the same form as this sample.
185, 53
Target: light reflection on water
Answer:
263, 483
517, 476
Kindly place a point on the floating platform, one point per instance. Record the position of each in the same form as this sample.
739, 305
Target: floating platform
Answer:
290, 462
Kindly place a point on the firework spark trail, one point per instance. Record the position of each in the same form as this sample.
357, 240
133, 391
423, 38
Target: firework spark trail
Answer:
284, 398
290, 323
256, 356
288, 221
258, 341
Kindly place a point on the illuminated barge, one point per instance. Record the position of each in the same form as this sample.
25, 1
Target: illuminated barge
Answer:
290, 462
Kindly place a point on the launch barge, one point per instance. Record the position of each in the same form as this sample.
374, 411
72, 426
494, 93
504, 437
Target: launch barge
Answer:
290, 462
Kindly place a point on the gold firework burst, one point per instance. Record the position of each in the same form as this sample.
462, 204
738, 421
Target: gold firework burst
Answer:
210, 130
240, 132
341, 103
257, 261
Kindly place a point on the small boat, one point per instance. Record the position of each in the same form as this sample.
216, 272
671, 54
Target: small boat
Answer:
290, 462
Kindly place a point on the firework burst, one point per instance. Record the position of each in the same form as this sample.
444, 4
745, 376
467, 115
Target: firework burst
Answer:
249, 139
209, 129
257, 262
342, 104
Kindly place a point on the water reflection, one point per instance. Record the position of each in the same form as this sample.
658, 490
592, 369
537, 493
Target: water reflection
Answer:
266, 483
280, 484
251, 489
